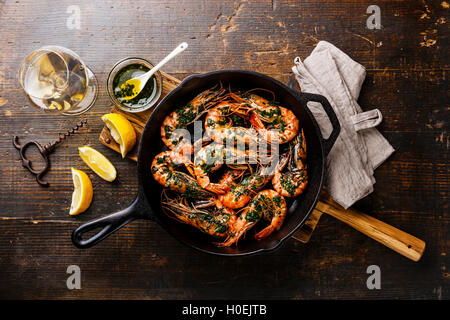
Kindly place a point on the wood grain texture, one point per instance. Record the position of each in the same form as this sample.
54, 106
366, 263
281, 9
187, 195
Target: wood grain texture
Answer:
398, 240
406, 80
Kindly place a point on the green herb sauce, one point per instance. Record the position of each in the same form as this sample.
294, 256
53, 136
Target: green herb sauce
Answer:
129, 72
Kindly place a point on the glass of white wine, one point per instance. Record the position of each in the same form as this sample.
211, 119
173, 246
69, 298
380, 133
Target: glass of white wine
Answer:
56, 80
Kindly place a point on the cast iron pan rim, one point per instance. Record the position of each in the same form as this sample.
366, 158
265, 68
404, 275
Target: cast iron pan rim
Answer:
141, 166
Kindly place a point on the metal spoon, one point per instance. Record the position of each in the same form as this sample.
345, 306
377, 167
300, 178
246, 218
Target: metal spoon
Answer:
135, 85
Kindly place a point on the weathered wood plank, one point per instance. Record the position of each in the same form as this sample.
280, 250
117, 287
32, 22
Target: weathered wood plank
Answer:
143, 261
406, 80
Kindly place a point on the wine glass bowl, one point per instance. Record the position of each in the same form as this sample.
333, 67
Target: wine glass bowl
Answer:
56, 80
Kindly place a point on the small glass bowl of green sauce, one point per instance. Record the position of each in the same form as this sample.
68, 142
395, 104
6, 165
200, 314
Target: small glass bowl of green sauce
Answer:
131, 68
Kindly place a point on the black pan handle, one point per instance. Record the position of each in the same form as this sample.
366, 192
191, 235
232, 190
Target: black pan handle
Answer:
108, 225
329, 142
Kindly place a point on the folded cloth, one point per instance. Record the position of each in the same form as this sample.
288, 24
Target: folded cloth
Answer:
360, 148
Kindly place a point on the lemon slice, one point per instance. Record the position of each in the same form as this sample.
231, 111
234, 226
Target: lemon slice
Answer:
55, 105
98, 163
76, 97
82, 193
121, 130
67, 105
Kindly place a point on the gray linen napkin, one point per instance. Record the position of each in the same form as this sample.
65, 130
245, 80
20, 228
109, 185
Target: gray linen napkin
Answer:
360, 148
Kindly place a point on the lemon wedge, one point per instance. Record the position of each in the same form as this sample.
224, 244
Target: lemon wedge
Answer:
121, 130
55, 105
67, 105
82, 193
98, 163
77, 97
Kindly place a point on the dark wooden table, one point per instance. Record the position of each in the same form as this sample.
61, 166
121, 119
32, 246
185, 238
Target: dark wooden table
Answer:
407, 79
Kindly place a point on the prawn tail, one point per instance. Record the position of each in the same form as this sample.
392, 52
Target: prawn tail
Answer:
230, 240
264, 233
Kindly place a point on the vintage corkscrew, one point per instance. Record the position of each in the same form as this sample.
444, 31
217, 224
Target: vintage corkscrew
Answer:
44, 151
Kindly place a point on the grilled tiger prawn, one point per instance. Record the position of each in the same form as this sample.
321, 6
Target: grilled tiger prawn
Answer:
274, 214
164, 169
182, 117
222, 124
274, 123
293, 181
211, 157
240, 194
215, 220
267, 204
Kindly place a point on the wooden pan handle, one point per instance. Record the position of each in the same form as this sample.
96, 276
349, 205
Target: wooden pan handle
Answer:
399, 241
